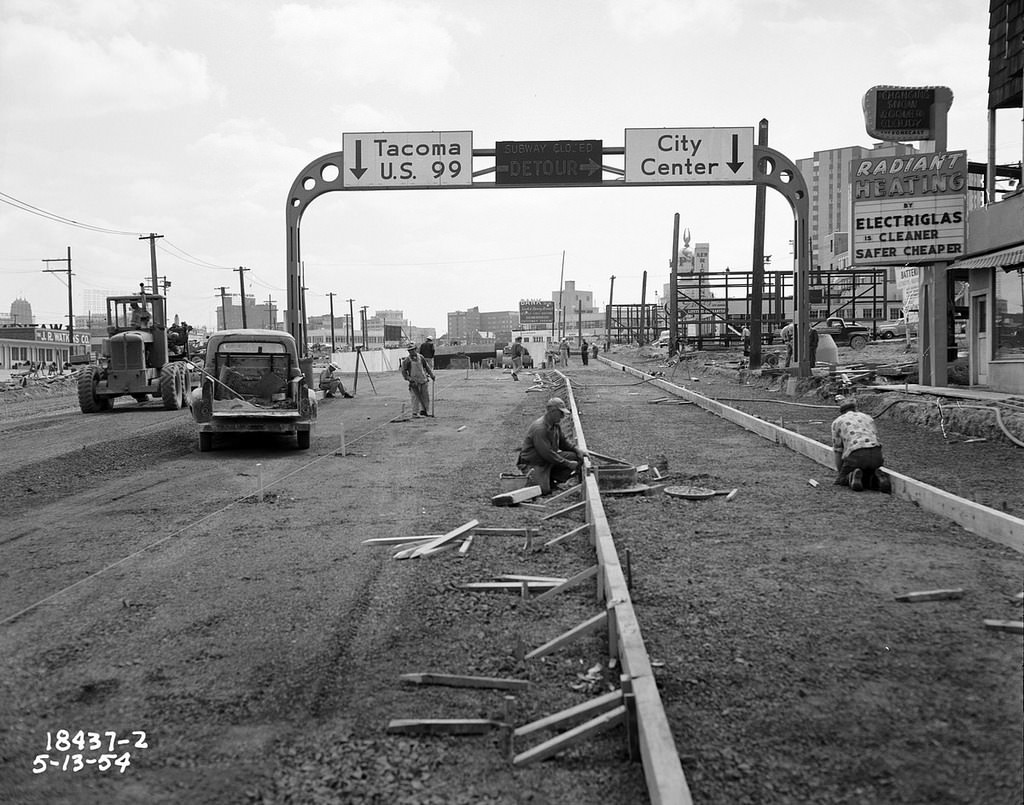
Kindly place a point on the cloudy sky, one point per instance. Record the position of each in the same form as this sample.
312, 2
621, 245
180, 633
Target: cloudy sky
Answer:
192, 119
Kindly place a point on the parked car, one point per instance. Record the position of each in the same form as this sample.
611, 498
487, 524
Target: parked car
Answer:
896, 329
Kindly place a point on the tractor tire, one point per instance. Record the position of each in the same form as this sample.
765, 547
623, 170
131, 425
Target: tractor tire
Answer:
302, 437
185, 387
205, 442
858, 342
170, 387
88, 400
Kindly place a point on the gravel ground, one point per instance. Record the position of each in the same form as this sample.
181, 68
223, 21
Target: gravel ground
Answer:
261, 646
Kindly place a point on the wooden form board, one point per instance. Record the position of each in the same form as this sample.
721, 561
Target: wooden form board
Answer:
459, 681
981, 520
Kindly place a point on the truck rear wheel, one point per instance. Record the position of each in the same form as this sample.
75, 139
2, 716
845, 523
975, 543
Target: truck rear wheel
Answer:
302, 437
88, 400
858, 341
170, 387
205, 442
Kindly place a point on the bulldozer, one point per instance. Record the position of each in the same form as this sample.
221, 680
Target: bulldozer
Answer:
141, 357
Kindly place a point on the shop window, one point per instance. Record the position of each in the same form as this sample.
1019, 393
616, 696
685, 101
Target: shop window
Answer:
1009, 313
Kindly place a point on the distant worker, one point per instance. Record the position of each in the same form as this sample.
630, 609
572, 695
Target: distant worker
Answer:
745, 334
417, 374
330, 383
857, 450
547, 456
585, 352
518, 351
788, 333
812, 341
563, 351
427, 351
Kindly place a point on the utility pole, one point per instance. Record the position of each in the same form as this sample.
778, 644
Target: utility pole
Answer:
351, 326
608, 335
71, 309
151, 237
223, 307
758, 264
643, 310
332, 295
362, 326
561, 277
241, 283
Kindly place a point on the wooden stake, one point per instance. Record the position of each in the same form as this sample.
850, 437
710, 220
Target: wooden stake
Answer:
447, 726
458, 681
573, 714
566, 510
932, 595
516, 496
574, 736
579, 578
585, 628
1017, 627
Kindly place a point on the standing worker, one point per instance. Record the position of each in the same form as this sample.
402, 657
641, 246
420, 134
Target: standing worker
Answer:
563, 349
857, 450
427, 351
585, 352
788, 333
518, 350
416, 373
547, 456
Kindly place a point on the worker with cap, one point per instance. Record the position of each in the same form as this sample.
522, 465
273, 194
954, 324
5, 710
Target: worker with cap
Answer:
857, 450
427, 351
417, 374
330, 383
547, 457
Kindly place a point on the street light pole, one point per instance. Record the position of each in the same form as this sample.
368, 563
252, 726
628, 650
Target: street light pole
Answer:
71, 309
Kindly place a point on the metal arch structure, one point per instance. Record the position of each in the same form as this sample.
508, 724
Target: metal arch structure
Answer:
771, 169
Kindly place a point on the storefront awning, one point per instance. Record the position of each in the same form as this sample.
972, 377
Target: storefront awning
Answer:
1007, 259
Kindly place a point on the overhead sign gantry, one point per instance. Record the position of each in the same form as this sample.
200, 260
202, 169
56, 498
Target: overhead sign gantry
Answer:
420, 160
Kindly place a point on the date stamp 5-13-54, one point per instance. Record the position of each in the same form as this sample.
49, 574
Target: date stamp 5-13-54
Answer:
74, 752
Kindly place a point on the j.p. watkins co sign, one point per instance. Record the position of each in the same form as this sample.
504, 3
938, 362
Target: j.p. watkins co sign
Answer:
908, 209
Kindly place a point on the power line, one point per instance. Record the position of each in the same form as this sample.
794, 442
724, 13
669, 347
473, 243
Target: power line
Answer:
190, 258
60, 219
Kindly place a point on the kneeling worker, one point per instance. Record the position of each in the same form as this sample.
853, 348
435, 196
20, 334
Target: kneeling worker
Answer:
547, 456
857, 451
330, 383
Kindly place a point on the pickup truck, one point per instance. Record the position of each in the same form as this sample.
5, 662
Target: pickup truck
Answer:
844, 333
252, 383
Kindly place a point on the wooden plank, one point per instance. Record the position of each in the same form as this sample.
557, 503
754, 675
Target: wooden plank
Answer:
503, 532
549, 579
585, 628
464, 547
612, 459
576, 735
567, 534
461, 681
579, 578
446, 726
566, 510
516, 496
506, 585
932, 595
398, 540
408, 549
537, 507
455, 533
1017, 627
570, 715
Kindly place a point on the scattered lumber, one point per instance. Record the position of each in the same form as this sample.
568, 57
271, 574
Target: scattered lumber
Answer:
460, 681
516, 496
932, 595
515, 577
442, 726
453, 534
398, 540
505, 532
537, 507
